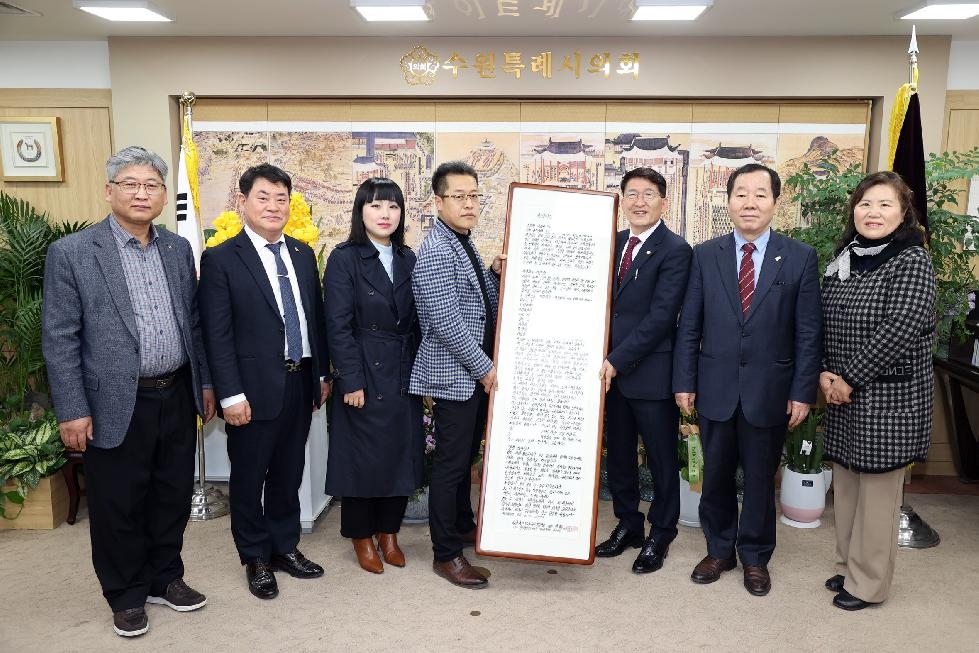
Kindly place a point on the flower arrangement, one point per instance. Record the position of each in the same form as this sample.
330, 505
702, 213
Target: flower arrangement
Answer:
428, 426
227, 225
300, 225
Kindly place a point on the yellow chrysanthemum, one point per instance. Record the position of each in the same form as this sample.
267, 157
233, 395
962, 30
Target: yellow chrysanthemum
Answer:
300, 225
227, 225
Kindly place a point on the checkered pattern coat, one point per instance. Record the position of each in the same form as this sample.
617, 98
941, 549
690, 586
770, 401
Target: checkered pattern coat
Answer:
872, 323
451, 312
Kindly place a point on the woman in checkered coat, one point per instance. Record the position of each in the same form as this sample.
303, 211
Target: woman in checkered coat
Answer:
879, 321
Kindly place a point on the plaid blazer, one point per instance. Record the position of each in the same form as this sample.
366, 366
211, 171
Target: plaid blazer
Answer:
451, 314
879, 329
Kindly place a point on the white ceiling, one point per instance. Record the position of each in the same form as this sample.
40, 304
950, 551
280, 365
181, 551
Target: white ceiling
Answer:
465, 18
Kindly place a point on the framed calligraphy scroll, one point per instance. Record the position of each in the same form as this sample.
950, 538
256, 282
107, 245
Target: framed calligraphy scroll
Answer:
539, 496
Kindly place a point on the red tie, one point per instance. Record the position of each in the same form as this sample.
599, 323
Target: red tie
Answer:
627, 259
746, 278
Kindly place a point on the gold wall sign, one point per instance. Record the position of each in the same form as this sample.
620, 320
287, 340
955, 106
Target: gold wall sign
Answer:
420, 65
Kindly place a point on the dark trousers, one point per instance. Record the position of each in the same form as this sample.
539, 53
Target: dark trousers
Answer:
139, 497
270, 455
657, 421
459, 429
362, 517
759, 450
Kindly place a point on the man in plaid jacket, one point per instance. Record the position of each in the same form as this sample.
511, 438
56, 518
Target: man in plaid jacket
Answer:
456, 298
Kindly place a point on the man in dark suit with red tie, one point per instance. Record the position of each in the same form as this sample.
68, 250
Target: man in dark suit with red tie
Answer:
265, 335
651, 276
747, 354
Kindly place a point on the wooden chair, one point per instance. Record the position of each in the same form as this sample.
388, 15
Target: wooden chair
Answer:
70, 471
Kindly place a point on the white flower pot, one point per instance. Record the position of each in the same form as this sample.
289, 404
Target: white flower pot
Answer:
803, 498
689, 505
416, 512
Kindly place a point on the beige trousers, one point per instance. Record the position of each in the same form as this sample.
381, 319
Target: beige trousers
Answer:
867, 507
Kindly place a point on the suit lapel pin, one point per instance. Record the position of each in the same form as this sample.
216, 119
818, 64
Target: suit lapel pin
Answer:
778, 258
296, 249
649, 252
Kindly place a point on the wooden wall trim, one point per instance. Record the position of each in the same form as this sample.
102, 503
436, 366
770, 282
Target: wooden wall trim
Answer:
56, 97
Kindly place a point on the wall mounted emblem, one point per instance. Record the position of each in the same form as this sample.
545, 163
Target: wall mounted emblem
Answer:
419, 66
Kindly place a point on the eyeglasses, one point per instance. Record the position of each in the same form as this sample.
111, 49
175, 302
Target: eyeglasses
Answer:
475, 198
648, 195
132, 187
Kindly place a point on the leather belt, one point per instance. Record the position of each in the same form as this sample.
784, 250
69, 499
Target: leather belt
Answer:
159, 382
293, 366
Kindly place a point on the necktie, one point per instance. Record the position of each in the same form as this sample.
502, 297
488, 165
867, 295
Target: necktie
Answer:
627, 258
294, 339
746, 278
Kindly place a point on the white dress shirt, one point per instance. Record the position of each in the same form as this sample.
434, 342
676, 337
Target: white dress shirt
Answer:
642, 239
271, 271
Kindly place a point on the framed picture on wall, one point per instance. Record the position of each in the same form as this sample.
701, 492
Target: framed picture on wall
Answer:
30, 149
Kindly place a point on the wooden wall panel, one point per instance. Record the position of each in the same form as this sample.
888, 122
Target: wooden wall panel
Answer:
86, 143
649, 112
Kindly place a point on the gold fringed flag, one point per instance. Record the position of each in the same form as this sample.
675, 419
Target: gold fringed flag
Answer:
907, 153
188, 203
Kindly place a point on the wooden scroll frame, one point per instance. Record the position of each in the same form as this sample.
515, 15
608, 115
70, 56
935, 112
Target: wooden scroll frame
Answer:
544, 440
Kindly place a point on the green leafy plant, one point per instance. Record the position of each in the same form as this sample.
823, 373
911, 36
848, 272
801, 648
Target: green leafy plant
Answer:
689, 427
823, 192
25, 235
804, 444
30, 449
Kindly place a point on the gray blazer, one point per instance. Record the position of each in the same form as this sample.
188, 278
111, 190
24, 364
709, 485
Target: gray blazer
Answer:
89, 329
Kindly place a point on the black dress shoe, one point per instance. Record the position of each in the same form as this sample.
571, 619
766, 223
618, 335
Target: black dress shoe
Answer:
848, 601
617, 542
650, 558
296, 565
261, 580
835, 584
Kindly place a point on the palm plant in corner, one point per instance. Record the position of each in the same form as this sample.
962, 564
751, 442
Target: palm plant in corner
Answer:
30, 447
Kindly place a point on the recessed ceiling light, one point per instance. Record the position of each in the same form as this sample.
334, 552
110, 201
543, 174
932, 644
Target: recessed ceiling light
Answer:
670, 9
390, 10
943, 10
133, 11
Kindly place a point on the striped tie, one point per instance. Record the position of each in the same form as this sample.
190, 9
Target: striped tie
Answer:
746, 278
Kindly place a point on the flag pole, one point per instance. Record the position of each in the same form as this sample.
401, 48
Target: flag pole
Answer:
206, 502
913, 532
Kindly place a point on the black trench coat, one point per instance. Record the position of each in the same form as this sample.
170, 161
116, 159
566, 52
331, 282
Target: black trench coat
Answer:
372, 331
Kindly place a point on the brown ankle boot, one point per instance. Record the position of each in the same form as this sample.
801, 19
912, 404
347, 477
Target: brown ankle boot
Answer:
367, 555
393, 555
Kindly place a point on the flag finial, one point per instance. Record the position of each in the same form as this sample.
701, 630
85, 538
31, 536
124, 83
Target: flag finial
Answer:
913, 58
187, 101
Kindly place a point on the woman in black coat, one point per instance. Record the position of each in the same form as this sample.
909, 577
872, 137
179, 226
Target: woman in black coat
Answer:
376, 438
879, 321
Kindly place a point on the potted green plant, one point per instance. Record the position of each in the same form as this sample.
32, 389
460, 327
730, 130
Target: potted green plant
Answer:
804, 481
25, 235
690, 455
30, 453
824, 197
